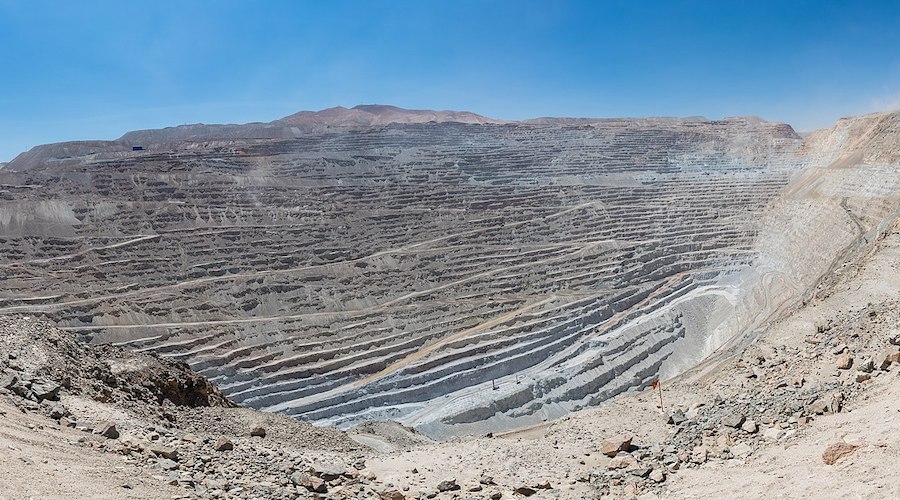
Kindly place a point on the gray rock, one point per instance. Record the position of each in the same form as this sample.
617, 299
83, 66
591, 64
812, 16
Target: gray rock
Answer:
670, 459
428, 493
447, 485
166, 464
309, 482
107, 430
733, 420
640, 471
58, 411
867, 366
741, 450
258, 432
46, 390
773, 433
164, 451
7, 380
676, 417
328, 471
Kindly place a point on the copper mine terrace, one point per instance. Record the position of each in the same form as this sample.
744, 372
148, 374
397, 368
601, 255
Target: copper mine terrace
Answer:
458, 274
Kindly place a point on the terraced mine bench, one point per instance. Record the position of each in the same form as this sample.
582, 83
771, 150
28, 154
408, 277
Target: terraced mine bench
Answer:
459, 278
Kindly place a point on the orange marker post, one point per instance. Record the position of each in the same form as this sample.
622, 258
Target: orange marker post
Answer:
656, 385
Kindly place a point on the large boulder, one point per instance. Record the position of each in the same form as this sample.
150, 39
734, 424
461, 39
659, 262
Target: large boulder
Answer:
613, 445
107, 430
448, 485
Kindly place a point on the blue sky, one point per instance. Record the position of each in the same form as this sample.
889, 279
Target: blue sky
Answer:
96, 69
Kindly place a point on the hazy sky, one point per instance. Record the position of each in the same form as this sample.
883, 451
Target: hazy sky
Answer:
92, 69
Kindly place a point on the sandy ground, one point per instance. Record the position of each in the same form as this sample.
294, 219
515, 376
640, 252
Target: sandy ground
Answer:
39, 461
796, 470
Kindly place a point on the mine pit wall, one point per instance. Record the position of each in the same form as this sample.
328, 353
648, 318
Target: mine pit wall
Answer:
831, 213
654, 307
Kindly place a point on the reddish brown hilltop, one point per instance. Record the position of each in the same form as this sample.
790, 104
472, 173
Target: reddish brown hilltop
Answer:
380, 114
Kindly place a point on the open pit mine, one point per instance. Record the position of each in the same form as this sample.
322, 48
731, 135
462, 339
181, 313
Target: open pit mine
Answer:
457, 274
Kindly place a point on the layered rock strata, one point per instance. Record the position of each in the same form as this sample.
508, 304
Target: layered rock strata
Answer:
457, 277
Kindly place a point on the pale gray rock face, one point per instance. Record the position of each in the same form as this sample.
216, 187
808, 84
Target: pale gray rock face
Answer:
456, 277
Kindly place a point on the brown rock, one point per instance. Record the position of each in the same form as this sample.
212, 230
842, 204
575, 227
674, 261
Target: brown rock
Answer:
622, 461
836, 451
724, 440
223, 444
164, 451
883, 364
819, 407
844, 361
613, 445
258, 432
699, 455
391, 494
317, 485
311, 483
827, 404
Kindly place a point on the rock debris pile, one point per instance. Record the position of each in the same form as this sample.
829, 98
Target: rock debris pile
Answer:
773, 394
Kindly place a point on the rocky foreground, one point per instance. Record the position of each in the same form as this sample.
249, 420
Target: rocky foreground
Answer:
77, 416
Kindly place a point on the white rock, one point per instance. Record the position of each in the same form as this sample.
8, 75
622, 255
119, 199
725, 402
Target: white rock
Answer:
741, 450
750, 427
773, 433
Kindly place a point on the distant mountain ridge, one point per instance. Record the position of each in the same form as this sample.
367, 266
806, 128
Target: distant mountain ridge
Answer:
298, 124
